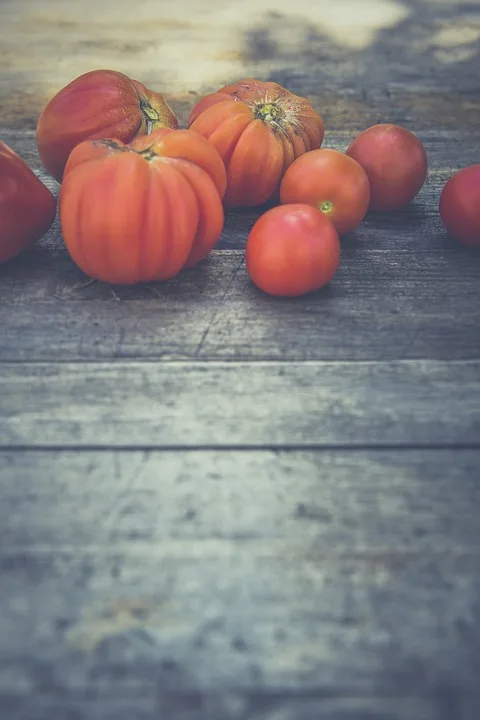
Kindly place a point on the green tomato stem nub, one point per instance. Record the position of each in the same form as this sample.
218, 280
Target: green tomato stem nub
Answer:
326, 206
268, 112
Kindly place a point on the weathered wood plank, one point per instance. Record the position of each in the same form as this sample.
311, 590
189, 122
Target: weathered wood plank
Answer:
418, 224
388, 301
411, 62
400, 503
262, 612
246, 633
240, 404
416, 227
447, 150
217, 705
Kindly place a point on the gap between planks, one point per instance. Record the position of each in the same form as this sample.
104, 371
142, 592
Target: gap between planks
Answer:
291, 448
224, 547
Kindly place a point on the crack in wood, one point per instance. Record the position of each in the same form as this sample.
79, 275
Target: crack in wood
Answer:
217, 310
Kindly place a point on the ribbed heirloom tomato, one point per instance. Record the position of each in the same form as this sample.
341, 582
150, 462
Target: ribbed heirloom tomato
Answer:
292, 250
258, 128
460, 205
332, 182
395, 162
143, 211
98, 104
27, 207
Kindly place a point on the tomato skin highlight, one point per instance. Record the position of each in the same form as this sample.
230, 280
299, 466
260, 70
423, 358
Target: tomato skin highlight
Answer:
98, 104
27, 207
460, 206
331, 181
143, 211
292, 250
258, 128
395, 162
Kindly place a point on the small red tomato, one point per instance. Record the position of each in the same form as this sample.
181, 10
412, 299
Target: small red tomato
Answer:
460, 205
395, 162
27, 207
292, 250
331, 181
143, 211
98, 104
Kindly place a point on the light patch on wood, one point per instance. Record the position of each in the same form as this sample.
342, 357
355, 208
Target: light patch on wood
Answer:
120, 616
457, 42
461, 33
349, 23
455, 55
186, 44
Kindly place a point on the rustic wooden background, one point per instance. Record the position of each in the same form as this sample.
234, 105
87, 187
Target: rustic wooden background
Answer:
217, 505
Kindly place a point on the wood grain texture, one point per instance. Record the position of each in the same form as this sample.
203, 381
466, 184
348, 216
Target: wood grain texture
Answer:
447, 150
408, 61
215, 586
404, 290
337, 504
240, 404
245, 634
419, 222
385, 303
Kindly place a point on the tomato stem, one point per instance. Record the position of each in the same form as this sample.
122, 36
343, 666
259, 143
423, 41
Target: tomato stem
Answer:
150, 114
268, 112
326, 206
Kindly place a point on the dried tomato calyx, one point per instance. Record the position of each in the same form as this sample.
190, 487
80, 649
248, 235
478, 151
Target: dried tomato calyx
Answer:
151, 116
268, 113
112, 144
147, 153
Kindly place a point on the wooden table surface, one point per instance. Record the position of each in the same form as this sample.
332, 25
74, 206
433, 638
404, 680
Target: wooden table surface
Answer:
214, 504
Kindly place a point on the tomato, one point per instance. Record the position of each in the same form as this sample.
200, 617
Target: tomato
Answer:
142, 211
395, 162
292, 250
258, 128
27, 207
331, 181
98, 104
460, 205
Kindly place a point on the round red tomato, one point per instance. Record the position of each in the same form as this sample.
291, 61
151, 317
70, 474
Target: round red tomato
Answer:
143, 211
460, 205
27, 207
332, 182
258, 128
292, 250
98, 104
395, 162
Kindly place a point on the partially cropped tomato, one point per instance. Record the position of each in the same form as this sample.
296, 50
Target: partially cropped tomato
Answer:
292, 250
27, 207
460, 205
395, 162
258, 128
98, 104
143, 211
332, 182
